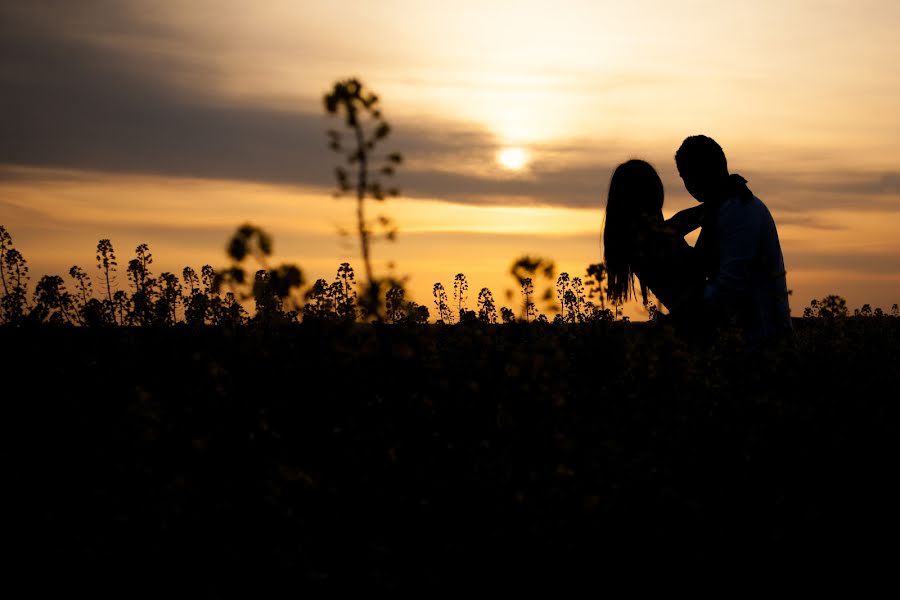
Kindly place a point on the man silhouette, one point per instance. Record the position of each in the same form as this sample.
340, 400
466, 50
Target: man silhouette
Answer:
738, 245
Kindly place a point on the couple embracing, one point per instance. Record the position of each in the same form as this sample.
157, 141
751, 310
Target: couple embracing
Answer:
733, 276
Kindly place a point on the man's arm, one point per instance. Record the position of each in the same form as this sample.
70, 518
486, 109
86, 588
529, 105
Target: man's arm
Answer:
687, 220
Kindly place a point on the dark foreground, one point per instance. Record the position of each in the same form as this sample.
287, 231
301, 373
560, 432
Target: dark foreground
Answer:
324, 457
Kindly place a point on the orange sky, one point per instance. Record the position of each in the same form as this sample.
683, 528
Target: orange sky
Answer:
172, 123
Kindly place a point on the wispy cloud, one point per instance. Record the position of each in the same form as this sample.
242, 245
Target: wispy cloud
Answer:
860, 263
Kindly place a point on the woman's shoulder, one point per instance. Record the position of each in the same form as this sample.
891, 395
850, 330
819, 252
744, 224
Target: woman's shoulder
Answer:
661, 241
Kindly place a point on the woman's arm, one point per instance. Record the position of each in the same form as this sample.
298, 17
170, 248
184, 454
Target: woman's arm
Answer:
687, 220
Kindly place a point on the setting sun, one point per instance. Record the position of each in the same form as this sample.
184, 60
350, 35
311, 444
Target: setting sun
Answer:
512, 159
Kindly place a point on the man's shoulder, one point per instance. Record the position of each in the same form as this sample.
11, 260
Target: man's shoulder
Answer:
737, 208
748, 202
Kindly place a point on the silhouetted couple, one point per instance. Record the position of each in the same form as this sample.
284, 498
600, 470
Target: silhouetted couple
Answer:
733, 276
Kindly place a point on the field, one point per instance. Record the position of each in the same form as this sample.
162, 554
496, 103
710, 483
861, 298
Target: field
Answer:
346, 456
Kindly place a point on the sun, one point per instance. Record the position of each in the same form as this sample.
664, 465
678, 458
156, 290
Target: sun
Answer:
512, 159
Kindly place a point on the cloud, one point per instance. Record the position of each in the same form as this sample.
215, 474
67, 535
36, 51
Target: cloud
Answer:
18, 218
74, 103
861, 263
809, 221
94, 87
830, 188
890, 182
867, 184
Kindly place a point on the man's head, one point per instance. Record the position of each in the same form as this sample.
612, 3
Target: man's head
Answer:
702, 165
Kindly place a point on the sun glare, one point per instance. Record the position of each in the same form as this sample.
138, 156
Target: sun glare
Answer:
512, 159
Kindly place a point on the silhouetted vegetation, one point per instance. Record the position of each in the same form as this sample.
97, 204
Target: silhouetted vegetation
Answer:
440, 302
362, 114
342, 456
218, 297
526, 270
276, 293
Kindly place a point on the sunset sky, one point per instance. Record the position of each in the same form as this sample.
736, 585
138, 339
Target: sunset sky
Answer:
171, 123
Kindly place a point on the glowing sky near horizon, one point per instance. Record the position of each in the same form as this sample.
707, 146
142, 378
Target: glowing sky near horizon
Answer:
171, 123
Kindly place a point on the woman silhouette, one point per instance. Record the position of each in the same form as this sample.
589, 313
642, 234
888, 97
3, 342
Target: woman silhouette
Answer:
637, 240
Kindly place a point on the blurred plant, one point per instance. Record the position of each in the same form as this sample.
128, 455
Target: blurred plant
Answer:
144, 285
487, 313
87, 309
468, 317
530, 310
445, 315
5, 245
460, 287
318, 301
533, 267
52, 303
170, 296
336, 300
562, 286
121, 306
507, 315
208, 279
829, 307
570, 301
204, 303
363, 117
580, 307
270, 287
417, 313
268, 305
395, 303
600, 314
220, 311
83, 285
895, 310
399, 310
196, 304
343, 293
191, 280
106, 263
228, 311
14, 274
596, 275
812, 310
570, 293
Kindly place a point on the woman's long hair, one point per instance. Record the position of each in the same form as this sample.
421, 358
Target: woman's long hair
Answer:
635, 193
